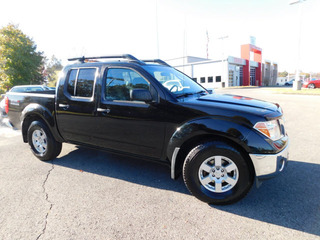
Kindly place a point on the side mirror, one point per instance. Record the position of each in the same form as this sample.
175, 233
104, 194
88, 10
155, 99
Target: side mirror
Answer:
140, 94
210, 91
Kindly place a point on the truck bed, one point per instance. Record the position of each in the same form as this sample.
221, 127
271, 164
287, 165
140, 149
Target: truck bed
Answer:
18, 102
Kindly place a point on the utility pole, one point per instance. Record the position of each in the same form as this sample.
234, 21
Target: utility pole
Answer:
297, 83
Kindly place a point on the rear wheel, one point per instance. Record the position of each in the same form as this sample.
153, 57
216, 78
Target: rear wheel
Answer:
311, 86
42, 143
216, 172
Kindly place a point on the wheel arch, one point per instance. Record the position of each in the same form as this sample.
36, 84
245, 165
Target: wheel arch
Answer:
192, 133
36, 112
191, 143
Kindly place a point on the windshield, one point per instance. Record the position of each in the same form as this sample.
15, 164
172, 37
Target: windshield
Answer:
175, 81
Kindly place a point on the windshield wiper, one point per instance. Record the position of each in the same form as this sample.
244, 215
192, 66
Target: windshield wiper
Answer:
184, 95
202, 91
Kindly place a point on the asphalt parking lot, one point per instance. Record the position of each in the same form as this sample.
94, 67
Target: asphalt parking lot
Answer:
88, 194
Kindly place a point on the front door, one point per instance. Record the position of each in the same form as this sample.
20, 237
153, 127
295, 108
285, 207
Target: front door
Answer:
125, 125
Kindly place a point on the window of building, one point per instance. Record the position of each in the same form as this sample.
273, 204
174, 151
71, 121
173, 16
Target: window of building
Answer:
120, 81
194, 79
81, 82
202, 80
218, 78
231, 82
241, 76
210, 79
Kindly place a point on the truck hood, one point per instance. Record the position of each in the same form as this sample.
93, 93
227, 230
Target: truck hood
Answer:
239, 100
233, 105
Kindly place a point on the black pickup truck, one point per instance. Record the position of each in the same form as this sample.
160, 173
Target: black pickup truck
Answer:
147, 109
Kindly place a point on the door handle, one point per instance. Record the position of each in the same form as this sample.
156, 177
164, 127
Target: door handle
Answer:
65, 106
103, 110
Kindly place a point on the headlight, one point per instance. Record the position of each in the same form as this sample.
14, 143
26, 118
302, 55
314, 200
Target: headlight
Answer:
270, 129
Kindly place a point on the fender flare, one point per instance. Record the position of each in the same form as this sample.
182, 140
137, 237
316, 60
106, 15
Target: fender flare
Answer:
37, 111
208, 127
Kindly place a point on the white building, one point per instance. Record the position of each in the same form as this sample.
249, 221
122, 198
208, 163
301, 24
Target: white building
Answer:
212, 73
249, 70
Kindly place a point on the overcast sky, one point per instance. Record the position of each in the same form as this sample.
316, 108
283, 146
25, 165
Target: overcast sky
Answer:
74, 28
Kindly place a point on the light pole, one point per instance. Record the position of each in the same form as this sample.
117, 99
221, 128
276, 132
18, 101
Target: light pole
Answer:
157, 28
222, 38
297, 83
223, 77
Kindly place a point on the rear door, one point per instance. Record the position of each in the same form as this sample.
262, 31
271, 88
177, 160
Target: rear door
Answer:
76, 105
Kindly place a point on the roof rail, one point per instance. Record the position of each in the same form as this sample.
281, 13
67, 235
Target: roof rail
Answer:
126, 56
157, 61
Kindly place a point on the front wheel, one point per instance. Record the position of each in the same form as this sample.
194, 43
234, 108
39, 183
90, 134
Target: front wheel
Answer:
311, 86
42, 143
216, 172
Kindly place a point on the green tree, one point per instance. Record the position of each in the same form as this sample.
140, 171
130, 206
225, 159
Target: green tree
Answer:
283, 74
53, 67
20, 63
306, 75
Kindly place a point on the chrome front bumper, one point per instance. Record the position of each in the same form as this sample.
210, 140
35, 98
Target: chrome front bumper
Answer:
268, 165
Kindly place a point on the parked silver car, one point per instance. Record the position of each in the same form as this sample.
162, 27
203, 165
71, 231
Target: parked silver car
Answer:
22, 88
2, 110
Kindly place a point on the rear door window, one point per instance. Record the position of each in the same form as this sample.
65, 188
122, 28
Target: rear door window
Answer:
85, 80
81, 82
72, 81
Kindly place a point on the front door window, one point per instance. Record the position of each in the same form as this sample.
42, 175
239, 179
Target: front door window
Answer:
121, 81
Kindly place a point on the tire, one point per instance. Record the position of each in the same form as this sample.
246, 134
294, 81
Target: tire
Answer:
216, 173
42, 143
311, 86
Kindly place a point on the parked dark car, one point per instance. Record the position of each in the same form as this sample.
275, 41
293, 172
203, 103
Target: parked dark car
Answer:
148, 109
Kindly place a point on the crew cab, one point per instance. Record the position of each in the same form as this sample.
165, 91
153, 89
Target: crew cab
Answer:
147, 109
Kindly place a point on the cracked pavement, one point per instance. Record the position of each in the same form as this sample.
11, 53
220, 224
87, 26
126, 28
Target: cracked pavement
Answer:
22, 203
47, 199
88, 194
